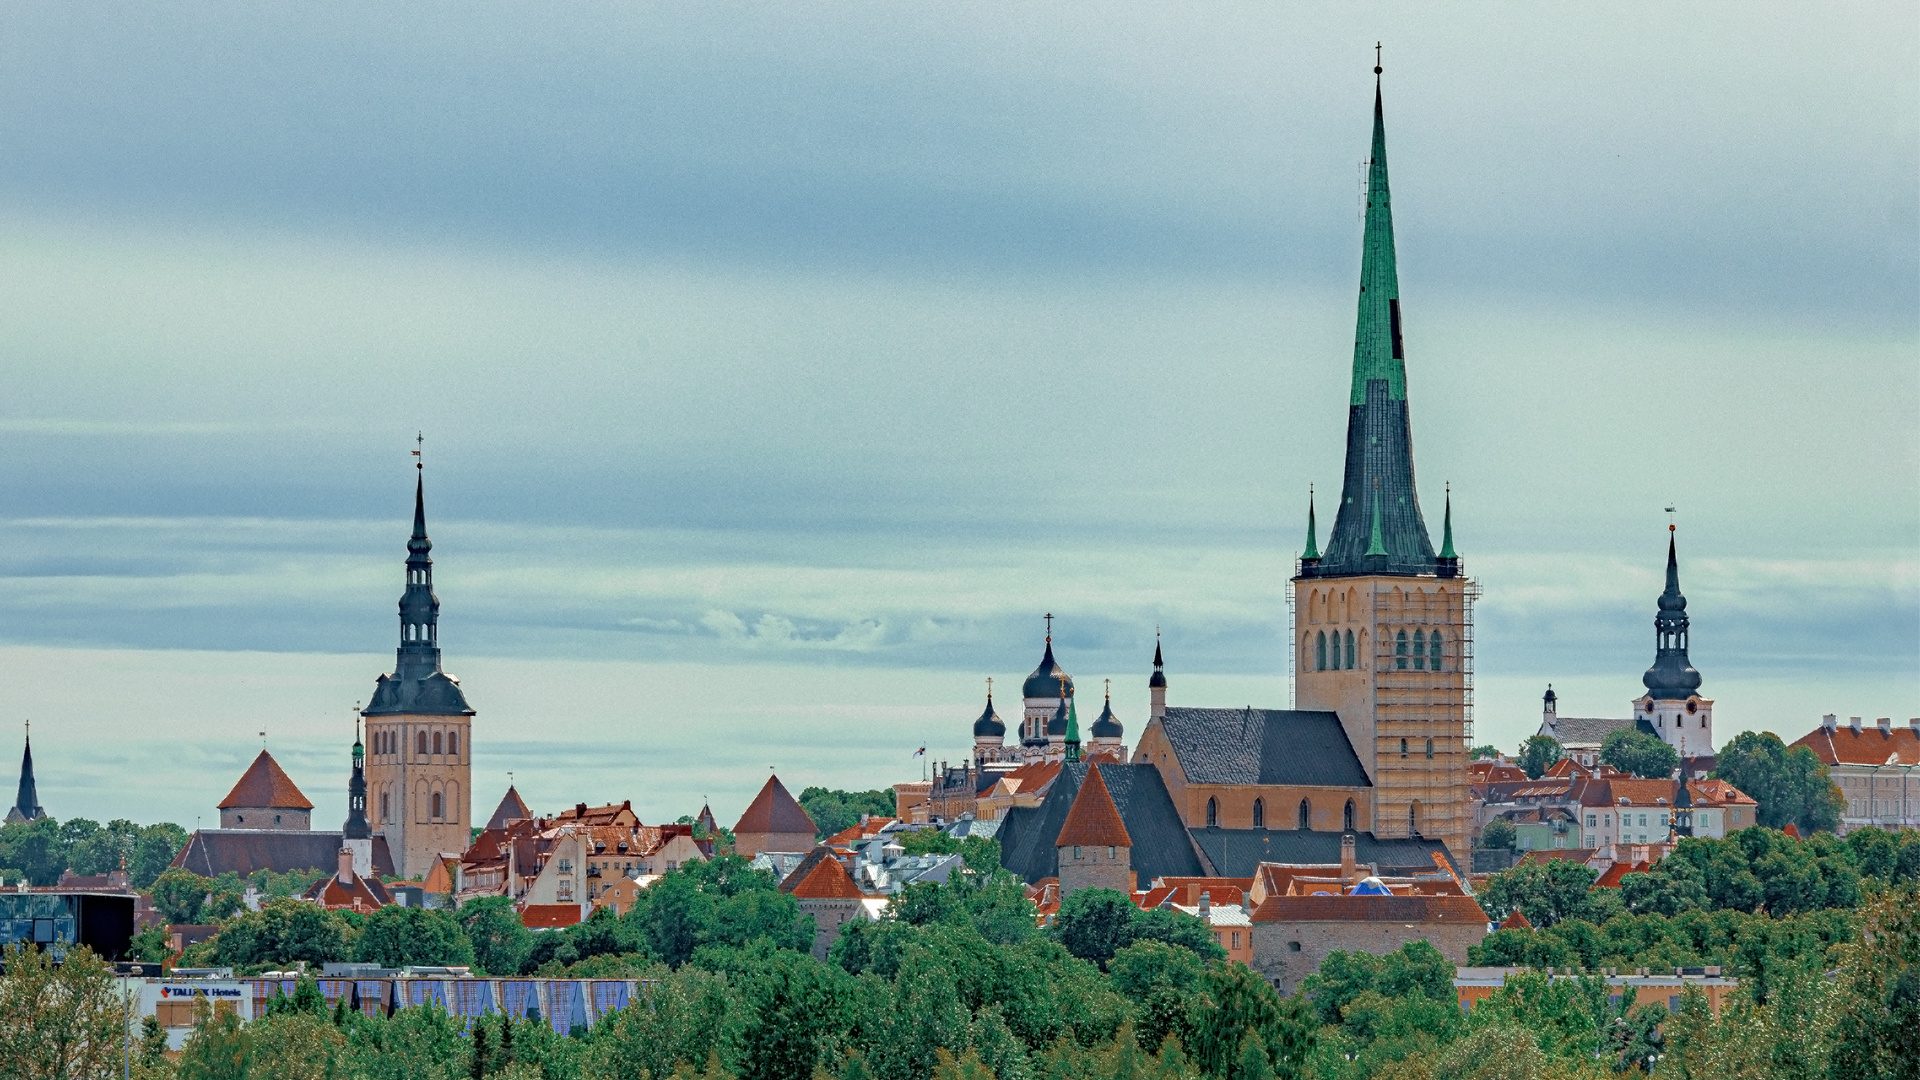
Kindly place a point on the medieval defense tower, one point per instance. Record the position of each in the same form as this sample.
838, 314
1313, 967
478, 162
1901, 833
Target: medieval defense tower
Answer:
1383, 626
419, 763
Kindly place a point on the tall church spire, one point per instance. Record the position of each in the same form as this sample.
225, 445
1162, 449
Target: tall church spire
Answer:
26, 804
356, 827
418, 685
1672, 677
1378, 529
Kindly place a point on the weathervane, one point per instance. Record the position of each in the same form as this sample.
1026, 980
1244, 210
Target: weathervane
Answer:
1670, 510
1049, 627
1376, 58
419, 444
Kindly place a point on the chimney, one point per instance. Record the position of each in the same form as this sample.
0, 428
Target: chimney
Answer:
1206, 907
1913, 724
1885, 724
1346, 857
1829, 722
1854, 723
346, 868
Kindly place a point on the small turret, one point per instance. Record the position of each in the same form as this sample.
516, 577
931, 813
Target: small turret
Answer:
26, 803
1157, 685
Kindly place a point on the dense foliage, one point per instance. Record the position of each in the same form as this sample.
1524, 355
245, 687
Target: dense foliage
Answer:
43, 849
834, 811
1639, 754
1538, 754
1791, 784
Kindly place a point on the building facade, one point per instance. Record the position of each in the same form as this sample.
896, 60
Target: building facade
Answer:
419, 770
1873, 767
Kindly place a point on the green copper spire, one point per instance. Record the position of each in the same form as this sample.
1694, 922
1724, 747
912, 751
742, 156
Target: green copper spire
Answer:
1313, 543
1378, 529
1377, 349
1073, 731
1446, 532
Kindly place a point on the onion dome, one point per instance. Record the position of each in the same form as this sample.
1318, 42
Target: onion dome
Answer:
1107, 727
1048, 680
1551, 699
1061, 720
1672, 676
1159, 680
989, 726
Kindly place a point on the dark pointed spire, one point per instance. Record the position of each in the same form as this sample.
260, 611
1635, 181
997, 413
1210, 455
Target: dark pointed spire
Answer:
1312, 554
356, 827
26, 803
1159, 679
1446, 534
1672, 676
1072, 739
418, 685
1378, 528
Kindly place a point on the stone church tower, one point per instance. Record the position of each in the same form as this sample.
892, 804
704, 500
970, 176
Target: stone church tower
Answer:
419, 771
1383, 624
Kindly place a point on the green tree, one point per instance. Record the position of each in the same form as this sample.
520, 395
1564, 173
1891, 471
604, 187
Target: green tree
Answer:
1485, 753
59, 1020
153, 852
834, 811
179, 895
220, 1048
1544, 892
1791, 784
1236, 1003
1538, 754
1416, 968
1674, 886
1640, 754
1877, 1034
799, 1010
36, 848
419, 1043
396, 936
1499, 834
282, 933
1094, 924
501, 942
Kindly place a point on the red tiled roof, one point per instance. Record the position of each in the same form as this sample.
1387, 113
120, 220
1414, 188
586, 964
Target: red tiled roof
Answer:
1400, 909
774, 811
1718, 793
1611, 879
610, 814
821, 877
1842, 746
1093, 820
1516, 921
266, 784
361, 895
549, 916
859, 831
1790, 830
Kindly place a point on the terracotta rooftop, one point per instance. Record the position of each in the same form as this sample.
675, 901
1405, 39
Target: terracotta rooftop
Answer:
1516, 921
1611, 879
774, 811
549, 916
611, 814
1718, 793
821, 877
1870, 746
1094, 821
266, 784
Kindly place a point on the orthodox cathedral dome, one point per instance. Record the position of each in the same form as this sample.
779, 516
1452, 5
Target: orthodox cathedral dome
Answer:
1048, 679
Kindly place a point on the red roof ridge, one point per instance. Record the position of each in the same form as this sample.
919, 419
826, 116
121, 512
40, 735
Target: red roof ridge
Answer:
1516, 921
265, 783
825, 879
1093, 820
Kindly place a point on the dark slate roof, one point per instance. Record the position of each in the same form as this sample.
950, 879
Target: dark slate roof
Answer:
512, 808
1262, 746
437, 694
1584, 730
1160, 844
1237, 852
211, 852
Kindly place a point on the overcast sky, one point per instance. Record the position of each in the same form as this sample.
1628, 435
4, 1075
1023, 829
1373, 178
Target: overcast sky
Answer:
781, 365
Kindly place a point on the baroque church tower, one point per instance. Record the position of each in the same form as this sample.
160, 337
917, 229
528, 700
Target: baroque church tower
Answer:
1383, 623
1672, 705
419, 765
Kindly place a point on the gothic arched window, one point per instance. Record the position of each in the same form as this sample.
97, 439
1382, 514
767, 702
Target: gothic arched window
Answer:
436, 743
1433, 649
1413, 818
436, 806
386, 806
1429, 749
1346, 817
423, 744
1259, 813
1213, 813
1349, 650
1419, 651
1306, 814
1403, 748
1400, 651
1320, 651
453, 742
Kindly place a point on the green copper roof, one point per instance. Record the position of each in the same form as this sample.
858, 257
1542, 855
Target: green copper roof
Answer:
1378, 529
1446, 532
1313, 543
1377, 349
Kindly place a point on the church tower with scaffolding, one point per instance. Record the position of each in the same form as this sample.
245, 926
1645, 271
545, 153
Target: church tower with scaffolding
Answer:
419, 764
1383, 624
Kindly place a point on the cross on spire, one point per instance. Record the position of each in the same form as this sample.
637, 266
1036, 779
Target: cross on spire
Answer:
419, 444
1049, 627
1376, 58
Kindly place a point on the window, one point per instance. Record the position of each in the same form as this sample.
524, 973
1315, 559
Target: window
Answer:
1213, 813
1306, 814
453, 743
1346, 818
1400, 651
1112, 852
1733, 816
1413, 819
1236, 939
1419, 651
1320, 651
1429, 749
386, 806
1076, 851
436, 804
1349, 650
423, 744
1293, 946
1589, 821
1403, 748
1433, 649
436, 742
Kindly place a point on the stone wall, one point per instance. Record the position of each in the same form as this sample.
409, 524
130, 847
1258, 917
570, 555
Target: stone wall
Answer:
830, 916
1095, 868
1293, 934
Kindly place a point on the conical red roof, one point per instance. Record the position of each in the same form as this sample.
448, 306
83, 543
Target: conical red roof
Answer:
774, 811
1516, 921
266, 784
821, 877
1093, 820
